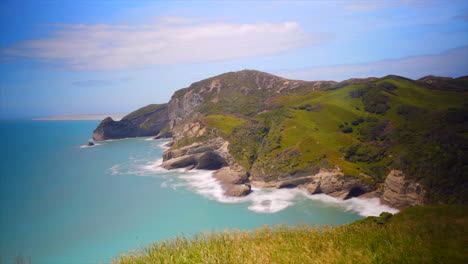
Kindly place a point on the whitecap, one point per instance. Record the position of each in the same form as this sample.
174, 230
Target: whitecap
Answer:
95, 144
268, 200
362, 206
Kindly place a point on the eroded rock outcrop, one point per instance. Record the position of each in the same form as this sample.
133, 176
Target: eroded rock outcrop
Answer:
210, 155
331, 182
233, 179
400, 192
334, 183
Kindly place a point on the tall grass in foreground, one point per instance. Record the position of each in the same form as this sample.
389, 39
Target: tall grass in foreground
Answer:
417, 235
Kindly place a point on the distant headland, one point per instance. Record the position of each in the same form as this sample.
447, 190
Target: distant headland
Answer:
82, 117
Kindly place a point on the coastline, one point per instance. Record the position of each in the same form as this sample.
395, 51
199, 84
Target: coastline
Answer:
116, 117
263, 199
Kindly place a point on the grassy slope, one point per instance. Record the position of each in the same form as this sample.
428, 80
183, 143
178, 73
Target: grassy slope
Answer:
143, 111
416, 235
300, 133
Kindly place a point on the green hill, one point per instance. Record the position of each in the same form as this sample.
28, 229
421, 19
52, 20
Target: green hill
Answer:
281, 129
365, 127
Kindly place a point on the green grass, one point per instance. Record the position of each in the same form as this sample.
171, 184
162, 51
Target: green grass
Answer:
416, 235
224, 122
312, 126
144, 111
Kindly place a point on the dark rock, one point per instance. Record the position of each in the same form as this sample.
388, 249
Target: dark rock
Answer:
210, 161
89, 144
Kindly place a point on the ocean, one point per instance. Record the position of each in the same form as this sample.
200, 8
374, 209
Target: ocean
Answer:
64, 203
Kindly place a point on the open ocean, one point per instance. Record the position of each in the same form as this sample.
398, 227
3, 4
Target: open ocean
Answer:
62, 203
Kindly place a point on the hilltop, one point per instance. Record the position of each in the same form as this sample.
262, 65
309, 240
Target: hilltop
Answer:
402, 140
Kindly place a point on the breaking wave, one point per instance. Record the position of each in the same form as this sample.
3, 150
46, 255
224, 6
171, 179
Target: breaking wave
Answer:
262, 200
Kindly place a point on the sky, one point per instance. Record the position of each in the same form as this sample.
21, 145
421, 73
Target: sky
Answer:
108, 57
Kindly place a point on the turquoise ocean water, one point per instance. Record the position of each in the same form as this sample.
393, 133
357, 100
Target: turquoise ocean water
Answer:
63, 203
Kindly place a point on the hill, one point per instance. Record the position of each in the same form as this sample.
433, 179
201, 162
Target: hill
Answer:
392, 137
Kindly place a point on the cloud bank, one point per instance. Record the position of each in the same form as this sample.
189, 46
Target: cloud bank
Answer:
114, 47
100, 83
450, 63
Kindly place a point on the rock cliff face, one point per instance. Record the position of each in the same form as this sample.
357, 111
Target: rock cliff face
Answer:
210, 155
182, 106
146, 121
400, 192
328, 181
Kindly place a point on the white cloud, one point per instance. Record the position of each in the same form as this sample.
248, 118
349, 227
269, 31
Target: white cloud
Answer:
366, 5
111, 47
363, 6
177, 19
452, 63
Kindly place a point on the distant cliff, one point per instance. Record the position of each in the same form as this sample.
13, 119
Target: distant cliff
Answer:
146, 121
399, 139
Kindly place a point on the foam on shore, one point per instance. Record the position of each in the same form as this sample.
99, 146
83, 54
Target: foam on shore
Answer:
265, 200
261, 200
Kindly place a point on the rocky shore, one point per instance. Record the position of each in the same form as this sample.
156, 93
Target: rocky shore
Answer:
211, 155
397, 191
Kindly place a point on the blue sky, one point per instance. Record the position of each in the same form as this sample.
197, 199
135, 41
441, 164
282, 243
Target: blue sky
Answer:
93, 57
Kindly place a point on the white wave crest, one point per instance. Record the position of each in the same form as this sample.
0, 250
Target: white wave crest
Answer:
362, 206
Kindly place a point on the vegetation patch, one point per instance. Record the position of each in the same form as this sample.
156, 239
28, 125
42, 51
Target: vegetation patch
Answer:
224, 122
416, 235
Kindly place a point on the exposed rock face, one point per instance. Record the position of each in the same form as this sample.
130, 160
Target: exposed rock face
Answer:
231, 175
331, 182
237, 190
147, 121
182, 106
210, 155
400, 192
334, 183
188, 130
232, 179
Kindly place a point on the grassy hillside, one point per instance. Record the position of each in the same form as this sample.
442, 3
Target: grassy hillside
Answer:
366, 129
146, 110
416, 235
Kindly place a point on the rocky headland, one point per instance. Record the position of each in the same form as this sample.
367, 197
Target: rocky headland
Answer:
341, 139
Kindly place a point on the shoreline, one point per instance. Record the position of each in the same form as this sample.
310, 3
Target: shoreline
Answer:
115, 117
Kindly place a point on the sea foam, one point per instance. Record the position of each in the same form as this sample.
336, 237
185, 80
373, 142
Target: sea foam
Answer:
262, 200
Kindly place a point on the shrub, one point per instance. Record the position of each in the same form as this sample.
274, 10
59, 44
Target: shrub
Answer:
357, 121
346, 129
388, 86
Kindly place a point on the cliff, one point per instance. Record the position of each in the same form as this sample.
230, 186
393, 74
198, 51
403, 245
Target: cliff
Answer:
344, 139
146, 121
